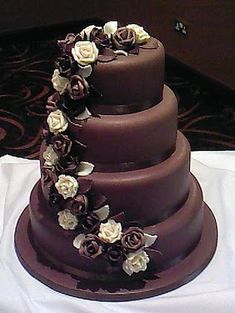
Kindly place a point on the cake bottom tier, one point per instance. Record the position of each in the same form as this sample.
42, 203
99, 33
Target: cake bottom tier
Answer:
178, 235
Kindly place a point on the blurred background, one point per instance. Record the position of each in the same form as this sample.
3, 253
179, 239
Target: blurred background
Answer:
200, 55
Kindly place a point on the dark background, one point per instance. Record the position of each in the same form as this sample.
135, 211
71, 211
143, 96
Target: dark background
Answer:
199, 66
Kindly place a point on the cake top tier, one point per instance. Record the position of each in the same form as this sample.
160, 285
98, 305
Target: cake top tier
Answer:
114, 69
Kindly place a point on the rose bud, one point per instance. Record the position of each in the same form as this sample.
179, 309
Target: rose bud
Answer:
133, 239
91, 246
78, 205
52, 102
48, 176
67, 43
100, 39
64, 64
124, 39
61, 145
89, 222
55, 199
78, 87
68, 165
46, 134
115, 255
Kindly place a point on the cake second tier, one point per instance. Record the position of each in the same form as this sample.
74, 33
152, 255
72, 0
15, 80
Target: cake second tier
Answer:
130, 140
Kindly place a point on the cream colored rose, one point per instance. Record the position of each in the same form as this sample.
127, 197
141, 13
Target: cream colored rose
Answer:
67, 186
110, 231
141, 35
136, 262
57, 122
86, 31
59, 83
110, 27
67, 220
85, 52
50, 156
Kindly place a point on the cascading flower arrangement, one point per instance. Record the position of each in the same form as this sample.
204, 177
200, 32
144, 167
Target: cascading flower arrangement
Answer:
78, 209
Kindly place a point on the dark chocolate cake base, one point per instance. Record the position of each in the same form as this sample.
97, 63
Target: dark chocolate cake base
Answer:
162, 282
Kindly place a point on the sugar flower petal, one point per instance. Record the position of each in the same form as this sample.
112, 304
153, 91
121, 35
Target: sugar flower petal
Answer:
110, 231
121, 52
84, 115
59, 83
85, 168
149, 239
85, 71
67, 220
50, 156
57, 122
67, 186
103, 212
110, 27
78, 240
85, 33
136, 262
141, 35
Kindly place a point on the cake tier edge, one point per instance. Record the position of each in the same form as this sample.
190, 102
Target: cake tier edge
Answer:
182, 228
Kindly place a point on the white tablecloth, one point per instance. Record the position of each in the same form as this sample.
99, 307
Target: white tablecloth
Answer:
212, 291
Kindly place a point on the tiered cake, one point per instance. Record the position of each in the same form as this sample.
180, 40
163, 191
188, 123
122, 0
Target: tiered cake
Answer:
117, 210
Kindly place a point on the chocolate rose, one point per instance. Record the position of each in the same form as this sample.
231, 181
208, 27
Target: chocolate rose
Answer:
124, 39
133, 239
89, 222
63, 103
91, 246
55, 199
78, 87
61, 145
65, 65
67, 44
68, 165
100, 39
48, 176
78, 205
115, 255
46, 134
52, 102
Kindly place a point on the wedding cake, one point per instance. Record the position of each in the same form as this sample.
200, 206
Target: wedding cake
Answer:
116, 215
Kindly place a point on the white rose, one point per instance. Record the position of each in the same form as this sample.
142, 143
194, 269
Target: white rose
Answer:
86, 31
110, 27
110, 231
136, 262
85, 52
59, 83
57, 122
50, 156
141, 35
67, 220
67, 186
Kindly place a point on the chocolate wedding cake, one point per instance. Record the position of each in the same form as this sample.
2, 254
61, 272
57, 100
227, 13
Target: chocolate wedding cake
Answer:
116, 215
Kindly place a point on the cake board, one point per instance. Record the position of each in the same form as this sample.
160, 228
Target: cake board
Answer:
165, 281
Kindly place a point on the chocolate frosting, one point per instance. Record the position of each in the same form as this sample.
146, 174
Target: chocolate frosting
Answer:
131, 79
146, 136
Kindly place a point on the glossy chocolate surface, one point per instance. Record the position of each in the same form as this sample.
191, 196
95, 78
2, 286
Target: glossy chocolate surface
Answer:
150, 194
177, 235
142, 166
131, 79
146, 136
